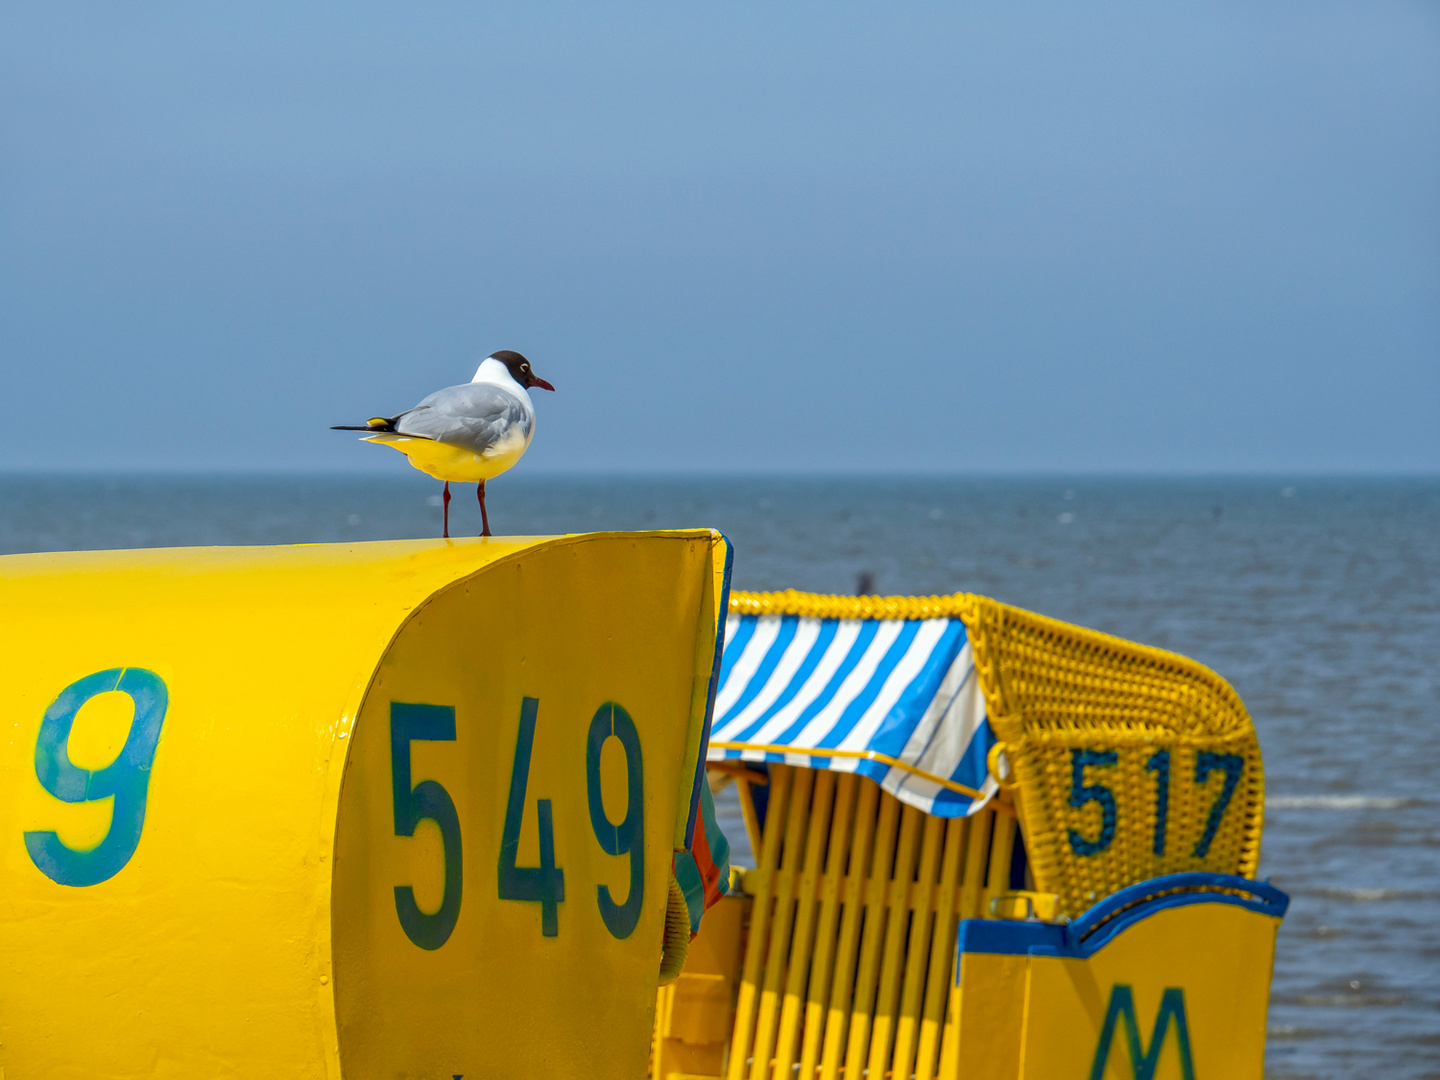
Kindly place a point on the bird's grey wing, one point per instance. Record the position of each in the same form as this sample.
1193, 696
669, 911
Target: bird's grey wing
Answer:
474, 416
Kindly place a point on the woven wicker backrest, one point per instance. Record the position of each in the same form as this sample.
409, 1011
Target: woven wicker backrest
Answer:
852, 938
1130, 762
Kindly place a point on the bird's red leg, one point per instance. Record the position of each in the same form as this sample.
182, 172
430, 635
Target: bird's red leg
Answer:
447, 509
484, 517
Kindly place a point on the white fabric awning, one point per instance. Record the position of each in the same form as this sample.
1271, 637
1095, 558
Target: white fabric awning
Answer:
896, 700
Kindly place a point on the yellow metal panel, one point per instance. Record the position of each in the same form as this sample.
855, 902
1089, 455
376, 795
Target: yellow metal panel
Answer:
591, 658
1212, 960
987, 1011
705, 989
694, 1013
201, 945
214, 931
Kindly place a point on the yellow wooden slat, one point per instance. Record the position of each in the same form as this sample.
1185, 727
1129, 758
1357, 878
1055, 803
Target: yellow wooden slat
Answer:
791, 860
751, 879
877, 890
977, 848
818, 996
913, 988
665, 1001
750, 884
793, 1004
997, 880
837, 1015
747, 812
759, 923
942, 953
851, 949
892, 966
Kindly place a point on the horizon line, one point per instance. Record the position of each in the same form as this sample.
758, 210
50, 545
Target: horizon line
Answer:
743, 474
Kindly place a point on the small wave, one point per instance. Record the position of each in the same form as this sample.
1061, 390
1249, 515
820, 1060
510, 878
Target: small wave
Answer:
1350, 1001
1339, 802
1365, 896
1291, 1031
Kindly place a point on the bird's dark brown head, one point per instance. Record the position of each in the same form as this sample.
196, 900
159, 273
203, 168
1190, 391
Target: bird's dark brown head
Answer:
520, 369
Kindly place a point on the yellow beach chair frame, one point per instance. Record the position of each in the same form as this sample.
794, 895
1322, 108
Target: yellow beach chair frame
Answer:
836, 955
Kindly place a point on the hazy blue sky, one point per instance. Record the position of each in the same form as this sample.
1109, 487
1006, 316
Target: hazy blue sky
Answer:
1020, 236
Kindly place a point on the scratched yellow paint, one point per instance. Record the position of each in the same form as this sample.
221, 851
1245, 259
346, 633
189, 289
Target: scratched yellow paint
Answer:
253, 929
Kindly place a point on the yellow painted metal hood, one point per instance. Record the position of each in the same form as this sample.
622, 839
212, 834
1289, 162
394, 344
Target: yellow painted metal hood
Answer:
379, 809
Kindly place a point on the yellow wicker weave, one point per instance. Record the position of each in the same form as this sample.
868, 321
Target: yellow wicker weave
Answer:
1122, 754
1062, 699
821, 606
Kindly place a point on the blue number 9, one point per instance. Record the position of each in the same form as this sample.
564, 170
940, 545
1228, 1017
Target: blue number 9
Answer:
628, 837
127, 778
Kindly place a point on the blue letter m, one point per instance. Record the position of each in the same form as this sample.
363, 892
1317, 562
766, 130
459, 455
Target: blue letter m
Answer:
1142, 1063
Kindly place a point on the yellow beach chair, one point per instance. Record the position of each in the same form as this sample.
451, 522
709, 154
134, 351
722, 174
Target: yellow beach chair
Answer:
989, 844
423, 808
350, 810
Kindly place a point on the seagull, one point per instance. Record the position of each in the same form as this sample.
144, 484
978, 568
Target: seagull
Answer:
470, 433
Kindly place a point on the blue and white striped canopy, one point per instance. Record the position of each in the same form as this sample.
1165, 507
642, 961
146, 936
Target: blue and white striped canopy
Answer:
896, 700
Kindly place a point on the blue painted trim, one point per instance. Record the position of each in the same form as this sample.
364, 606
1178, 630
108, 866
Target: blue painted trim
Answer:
1095, 929
1092, 930
1008, 937
722, 613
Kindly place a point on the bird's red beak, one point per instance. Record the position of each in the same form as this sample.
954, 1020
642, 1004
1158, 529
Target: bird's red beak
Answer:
535, 380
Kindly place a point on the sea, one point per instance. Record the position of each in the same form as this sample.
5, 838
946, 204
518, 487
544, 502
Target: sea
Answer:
1317, 598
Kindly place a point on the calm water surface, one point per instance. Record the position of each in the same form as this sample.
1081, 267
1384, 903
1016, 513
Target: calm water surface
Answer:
1319, 600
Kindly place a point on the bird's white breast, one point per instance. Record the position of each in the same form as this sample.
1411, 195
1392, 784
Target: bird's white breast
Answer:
508, 449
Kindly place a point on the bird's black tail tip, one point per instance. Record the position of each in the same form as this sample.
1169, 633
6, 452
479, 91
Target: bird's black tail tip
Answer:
374, 424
